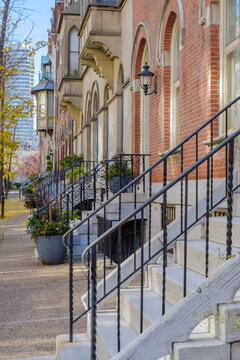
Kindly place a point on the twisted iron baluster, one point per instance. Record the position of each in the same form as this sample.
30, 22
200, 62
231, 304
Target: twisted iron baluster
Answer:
197, 177
93, 305
142, 271
185, 238
71, 286
211, 166
207, 223
118, 290
150, 217
164, 238
181, 189
230, 198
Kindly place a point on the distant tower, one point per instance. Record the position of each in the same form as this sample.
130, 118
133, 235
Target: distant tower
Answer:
23, 84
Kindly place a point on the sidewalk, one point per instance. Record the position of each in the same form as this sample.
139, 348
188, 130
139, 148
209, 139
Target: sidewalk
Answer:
33, 297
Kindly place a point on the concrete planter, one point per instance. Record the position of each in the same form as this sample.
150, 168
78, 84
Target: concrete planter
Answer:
51, 249
115, 185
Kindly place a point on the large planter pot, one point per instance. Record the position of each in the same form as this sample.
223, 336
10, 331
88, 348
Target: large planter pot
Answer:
115, 184
51, 249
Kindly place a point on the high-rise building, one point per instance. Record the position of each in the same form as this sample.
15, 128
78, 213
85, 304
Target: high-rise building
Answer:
23, 83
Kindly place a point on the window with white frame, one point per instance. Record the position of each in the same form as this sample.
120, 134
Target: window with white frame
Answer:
232, 57
174, 61
73, 52
42, 105
144, 111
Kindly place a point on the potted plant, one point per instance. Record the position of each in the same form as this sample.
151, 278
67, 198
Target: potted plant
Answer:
48, 234
119, 175
29, 202
75, 172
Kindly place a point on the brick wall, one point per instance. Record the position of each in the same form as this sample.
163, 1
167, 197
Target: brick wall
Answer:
198, 82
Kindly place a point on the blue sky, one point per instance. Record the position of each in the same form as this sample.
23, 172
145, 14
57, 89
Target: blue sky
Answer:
38, 17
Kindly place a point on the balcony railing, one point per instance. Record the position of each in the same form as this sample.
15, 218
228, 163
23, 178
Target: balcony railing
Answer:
45, 76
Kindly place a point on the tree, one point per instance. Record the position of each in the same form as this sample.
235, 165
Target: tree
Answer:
11, 66
29, 166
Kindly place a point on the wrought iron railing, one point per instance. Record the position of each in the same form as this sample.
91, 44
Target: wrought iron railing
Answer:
145, 254
201, 167
89, 190
58, 179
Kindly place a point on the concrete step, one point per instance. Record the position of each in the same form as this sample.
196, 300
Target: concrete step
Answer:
83, 239
125, 211
71, 351
226, 322
107, 334
126, 208
201, 345
197, 232
128, 197
174, 281
80, 242
83, 229
50, 357
218, 230
196, 254
130, 307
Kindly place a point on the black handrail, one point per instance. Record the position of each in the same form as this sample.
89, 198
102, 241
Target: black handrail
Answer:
72, 186
100, 171
133, 185
163, 159
158, 194
228, 143
55, 177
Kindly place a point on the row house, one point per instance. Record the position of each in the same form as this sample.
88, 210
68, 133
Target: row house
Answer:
93, 77
157, 81
193, 50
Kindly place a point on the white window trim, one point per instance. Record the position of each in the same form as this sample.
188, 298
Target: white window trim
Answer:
144, 111
225, 51
174, 86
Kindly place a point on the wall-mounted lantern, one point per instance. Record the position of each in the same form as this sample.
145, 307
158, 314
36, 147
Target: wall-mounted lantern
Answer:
146, 78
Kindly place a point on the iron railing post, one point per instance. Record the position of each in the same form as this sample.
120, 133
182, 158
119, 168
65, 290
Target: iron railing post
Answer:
185, 238
71, 287
230, 198
119, 249
164, 236
207, 220
93, 304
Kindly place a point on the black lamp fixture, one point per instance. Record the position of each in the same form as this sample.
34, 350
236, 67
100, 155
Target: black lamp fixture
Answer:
51, 152
146, 78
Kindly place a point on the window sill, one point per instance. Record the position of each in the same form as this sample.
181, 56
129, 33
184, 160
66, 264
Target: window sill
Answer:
162, 153
217, 140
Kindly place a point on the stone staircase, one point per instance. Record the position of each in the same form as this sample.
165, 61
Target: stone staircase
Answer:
214, 338
80, 235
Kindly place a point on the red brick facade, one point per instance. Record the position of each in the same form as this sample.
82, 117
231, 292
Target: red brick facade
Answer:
198, 79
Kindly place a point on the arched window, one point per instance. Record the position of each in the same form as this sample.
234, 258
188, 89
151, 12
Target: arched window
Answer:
106, 124
144, 112
88, 138
174, 60
120, 87
95, 127
231, 33
73, 52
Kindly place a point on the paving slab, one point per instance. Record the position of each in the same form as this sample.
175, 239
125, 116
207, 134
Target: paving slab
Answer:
33, 297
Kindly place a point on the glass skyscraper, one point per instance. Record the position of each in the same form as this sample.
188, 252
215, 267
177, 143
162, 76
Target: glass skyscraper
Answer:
23, 83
